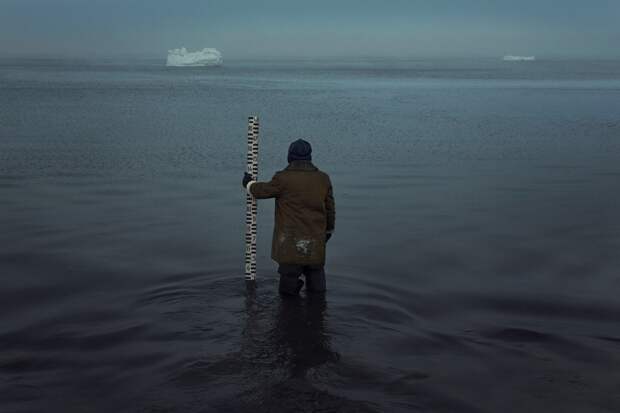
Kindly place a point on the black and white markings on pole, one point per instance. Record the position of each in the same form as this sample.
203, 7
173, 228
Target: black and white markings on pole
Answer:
251, 207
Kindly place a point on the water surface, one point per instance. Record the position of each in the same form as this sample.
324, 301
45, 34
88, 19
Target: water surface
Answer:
474, 265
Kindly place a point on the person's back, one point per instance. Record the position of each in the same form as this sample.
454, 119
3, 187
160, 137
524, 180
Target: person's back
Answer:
304, 219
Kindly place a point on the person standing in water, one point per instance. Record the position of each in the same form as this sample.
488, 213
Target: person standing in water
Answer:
305, 216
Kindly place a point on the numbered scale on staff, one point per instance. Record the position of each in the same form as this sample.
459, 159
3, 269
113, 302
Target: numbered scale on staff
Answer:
251, 207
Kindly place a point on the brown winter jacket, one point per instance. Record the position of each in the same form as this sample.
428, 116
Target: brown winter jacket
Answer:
304, 213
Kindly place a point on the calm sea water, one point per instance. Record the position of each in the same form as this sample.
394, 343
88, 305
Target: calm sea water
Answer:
475, 265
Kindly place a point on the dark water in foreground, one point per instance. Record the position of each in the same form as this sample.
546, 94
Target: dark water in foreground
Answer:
475, 265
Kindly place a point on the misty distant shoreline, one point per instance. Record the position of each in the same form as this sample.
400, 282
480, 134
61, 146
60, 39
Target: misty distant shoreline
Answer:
162, 57
292, 58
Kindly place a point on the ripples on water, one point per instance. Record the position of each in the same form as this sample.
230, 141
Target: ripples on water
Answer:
474, 268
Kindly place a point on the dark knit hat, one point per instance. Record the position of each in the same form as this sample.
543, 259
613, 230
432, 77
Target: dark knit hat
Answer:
300, 150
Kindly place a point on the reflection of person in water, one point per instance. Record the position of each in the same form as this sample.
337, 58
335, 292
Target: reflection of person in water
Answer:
300, 334
284, 339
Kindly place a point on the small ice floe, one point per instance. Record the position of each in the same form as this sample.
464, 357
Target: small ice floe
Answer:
511, 58
204, 57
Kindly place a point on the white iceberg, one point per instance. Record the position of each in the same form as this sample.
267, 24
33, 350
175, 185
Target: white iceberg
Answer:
204, 57
510, 58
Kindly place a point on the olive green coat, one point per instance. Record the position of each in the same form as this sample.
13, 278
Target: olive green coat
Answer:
304, 213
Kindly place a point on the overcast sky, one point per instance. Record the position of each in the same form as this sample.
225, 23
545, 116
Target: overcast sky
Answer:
250, 28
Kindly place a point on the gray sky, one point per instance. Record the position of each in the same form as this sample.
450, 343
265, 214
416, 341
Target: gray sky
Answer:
245, 28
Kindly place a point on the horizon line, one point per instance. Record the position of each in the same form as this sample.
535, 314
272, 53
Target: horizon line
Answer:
290, 57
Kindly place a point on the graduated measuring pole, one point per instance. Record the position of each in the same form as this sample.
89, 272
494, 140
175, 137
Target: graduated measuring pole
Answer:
250, 202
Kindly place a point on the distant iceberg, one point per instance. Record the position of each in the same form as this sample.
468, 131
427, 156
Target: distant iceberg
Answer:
204, 57
511, 58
